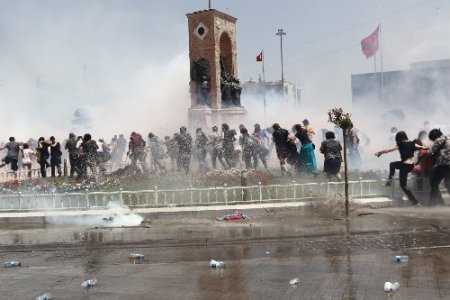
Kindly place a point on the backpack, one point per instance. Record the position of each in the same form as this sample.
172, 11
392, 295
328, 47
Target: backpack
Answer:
138, 142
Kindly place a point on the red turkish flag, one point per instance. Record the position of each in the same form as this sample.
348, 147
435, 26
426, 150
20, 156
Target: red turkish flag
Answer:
370, 44
259, 57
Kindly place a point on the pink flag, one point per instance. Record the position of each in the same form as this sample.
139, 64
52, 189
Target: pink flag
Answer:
370, 44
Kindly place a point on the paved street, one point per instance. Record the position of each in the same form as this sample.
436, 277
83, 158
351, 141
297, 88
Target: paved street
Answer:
333, 258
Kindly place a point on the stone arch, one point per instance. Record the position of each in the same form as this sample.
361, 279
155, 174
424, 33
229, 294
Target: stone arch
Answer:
226, 53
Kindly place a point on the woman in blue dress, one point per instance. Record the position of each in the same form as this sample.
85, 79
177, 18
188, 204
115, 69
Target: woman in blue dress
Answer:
307, 158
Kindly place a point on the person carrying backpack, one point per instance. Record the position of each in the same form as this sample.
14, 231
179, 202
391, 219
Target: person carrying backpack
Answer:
136, 151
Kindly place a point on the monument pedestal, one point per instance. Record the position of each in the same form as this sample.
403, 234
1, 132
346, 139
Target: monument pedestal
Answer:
200, 117
205, 117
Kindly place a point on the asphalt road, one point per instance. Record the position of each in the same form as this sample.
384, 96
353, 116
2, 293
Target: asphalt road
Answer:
333, 257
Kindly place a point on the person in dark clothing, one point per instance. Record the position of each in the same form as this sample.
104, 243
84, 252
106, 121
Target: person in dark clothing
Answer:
406, 149
89, 156
12, 157
331, 149
216, 142
184, 141
261, 149
136, 151
71, 147
55, 157
171, 151
280, 137
157, 152
43, 155
228, 145
440, 151
201, 142
249, 145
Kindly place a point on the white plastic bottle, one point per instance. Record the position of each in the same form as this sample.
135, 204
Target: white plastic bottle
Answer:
45, 296
12, 264
400, 258
216, 264
89, 283
136, 256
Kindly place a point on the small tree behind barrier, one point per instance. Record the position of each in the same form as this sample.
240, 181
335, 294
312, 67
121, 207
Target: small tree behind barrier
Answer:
338, 117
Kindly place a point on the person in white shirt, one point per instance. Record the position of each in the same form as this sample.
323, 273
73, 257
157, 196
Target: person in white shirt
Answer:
26, 158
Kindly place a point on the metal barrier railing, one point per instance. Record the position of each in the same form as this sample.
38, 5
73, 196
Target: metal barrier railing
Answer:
222, 195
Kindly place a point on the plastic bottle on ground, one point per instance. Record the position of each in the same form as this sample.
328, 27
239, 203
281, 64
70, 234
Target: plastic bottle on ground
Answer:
387, 286
45, 296
12, 264
395, 286
391, 287
89, 283
136, 256
400, 258
216, 264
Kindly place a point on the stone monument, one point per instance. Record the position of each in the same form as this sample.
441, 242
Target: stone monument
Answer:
214, 86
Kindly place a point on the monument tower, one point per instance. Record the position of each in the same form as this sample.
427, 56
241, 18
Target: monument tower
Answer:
214, 86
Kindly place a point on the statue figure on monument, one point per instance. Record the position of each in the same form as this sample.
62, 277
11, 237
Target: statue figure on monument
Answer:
200, 74
236, 91
204, 92
231, 89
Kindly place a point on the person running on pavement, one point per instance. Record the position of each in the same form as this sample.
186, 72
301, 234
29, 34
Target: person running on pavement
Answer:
43, 155
71, 147
331, 149
406, 149
26, 158
12, 157
440, 151
55, 157
280, 137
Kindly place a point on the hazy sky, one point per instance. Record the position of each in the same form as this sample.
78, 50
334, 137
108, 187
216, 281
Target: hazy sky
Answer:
126, 62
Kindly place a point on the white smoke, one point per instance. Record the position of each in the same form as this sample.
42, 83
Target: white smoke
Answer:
115, 216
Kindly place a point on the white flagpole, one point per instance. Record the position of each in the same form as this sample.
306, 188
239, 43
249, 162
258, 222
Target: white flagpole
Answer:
381, 65
264, 83
377, 86
263, 59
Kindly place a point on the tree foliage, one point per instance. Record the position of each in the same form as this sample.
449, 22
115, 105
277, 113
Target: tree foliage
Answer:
341, 119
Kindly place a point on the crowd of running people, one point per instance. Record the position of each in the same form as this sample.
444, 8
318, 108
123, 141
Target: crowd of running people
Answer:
428, 155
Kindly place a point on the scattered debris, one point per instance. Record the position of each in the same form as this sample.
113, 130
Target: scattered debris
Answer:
400, 258
12, 264
391, 287
216, 264
237, 215
137, 258
89, 283
365, 214
45, 296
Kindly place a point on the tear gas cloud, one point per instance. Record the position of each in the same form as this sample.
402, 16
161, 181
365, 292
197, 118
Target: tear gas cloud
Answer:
126, 67
115, 216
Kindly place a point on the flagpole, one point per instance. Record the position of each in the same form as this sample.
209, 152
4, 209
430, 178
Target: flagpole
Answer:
375, 64
264, 74
377, 86
264, 84
381, 66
